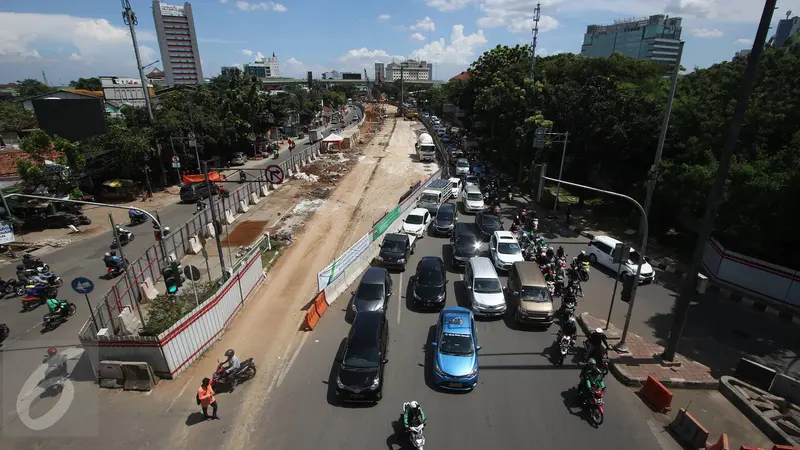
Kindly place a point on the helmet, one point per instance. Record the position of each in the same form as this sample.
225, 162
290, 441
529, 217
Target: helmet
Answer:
571, 320
107, 254
414, 404
591, 363
598, 330
583, 252
113, 253
52, 351
229, 352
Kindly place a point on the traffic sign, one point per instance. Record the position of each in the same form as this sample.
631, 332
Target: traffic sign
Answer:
190, 135
539, 142
191, 272
192, 143
541, 132
176, 159
274, 174
82, 285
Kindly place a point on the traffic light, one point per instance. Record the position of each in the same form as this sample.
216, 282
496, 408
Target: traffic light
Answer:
176, 268
627, 287
170, 279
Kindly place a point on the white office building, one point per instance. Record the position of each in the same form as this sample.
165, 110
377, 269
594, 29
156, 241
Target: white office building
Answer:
409, 70
125, 91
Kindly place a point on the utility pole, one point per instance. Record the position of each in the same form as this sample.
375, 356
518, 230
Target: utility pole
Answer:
687, 291
561, 170
218, 231
130, 19
536, 15
651, 185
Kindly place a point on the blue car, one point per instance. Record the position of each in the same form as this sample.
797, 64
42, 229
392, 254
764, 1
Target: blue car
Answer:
455, 361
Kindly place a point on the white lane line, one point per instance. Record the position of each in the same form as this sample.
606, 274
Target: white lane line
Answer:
399, 297
291, 361
180, 395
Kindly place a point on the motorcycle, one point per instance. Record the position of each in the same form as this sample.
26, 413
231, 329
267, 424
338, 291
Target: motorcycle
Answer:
415, 436
114, 271
565, 342
242, 177
52, 320
125, 237
567, 308
4, 332
201, 206
600, 355
247, 370
594, 403
10, 286
584, 271
136, 217
34, 262
56, 372
559, 286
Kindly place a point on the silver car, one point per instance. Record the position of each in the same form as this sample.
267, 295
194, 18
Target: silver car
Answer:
238, 159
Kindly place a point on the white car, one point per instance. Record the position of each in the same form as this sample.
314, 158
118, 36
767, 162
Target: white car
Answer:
471, 180
416, 222
601, 250
462, 166
504, 250
456, 187
472, 200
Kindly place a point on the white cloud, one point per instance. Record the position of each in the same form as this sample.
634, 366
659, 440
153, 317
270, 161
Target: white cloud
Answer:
447, 5
515, 15
223, 1
743, 41
425, 24
293, 62
261, 6
701, 9
91, 41
247, 52
704, 33
417, 37
365, 55
461, 49
260, 56
384, 17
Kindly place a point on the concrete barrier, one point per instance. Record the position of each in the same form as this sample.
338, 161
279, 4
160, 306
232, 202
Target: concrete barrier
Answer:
754, 373
138, 376
208, 230
243, 208
229, 219
786, 387
194, 245
254, 198
264, 191
148, 290
688, 430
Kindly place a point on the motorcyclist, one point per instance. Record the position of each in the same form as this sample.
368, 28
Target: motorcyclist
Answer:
560, 252
123, 233
56, 306
111, 260
582, 258
231, 364
569, 328
597, 341
242, 176
591, 377
201, 205
551, 254
413, 416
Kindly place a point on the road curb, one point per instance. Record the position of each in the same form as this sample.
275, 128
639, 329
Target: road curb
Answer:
743, 404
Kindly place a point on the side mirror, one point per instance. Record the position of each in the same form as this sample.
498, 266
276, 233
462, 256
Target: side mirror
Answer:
478, 348
352, 292
384, 361
492, 248
434, 344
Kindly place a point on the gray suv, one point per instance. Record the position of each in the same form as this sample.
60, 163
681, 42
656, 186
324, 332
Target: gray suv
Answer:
372, 294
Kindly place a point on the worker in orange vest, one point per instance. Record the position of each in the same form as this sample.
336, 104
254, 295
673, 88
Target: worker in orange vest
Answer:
205, 397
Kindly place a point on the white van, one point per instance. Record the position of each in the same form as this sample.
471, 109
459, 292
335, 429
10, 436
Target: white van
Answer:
484, 288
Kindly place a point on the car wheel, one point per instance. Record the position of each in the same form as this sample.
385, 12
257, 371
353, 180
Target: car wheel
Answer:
593, 258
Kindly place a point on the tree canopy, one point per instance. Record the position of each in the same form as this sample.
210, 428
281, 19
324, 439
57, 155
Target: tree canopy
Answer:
90, 84
613, 109
31, 88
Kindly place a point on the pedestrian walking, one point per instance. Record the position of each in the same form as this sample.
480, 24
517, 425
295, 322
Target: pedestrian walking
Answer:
205, 397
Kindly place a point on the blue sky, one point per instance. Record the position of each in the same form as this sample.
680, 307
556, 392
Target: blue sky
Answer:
83, 38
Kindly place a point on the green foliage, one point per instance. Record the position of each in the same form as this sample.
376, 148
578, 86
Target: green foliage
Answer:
13, 117
613, 109
40, 147
334, 99
30, 88
89, 84
166, 310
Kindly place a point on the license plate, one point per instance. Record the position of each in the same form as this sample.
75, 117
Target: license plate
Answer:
356, 395
455, 385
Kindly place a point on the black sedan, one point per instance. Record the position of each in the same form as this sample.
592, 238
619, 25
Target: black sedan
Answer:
488, 224
430, 283
359, 377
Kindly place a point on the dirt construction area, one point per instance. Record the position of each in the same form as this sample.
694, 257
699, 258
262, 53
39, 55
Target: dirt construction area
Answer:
334, 208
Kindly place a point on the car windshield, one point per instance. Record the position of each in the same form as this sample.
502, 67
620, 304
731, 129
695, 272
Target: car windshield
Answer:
414, 219
467, 242
489, 221
429, 198
361, 356
508, 248
472, 179
430, 278
457, 344
634, 257
394, 246
367, 291
534, 294
454, 184
462, 164
487, 286
446, 216
475, 196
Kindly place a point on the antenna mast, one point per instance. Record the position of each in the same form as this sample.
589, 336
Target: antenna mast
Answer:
45, 78
535, 32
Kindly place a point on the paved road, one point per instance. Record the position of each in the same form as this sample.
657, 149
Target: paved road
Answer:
521, 399
23, 350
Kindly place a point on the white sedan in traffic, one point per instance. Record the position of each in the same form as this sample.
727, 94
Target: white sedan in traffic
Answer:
416, 222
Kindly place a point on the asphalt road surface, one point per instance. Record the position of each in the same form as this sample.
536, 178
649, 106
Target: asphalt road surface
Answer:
521, 401
23, 350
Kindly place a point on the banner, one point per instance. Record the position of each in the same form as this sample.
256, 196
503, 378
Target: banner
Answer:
330, 273
6, 233
384, 223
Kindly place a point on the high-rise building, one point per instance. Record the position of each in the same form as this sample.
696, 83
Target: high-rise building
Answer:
430, 71
380, 72
332, 75
263, 68
177, 40
227, 71
409, 70
786, 28
657, 38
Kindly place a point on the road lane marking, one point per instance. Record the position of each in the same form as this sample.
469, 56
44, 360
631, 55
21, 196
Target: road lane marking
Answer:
399, 296
180, 395
288, 365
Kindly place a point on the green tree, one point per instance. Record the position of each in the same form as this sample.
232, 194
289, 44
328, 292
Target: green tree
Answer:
89, 84
31, 88
13, 117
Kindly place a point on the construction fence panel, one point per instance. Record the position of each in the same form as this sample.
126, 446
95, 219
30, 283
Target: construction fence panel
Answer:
340, 264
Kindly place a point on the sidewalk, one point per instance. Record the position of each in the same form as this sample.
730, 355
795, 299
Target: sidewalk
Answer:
632, 369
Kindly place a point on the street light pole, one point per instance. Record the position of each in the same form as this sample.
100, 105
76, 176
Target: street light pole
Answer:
718, 189
561, 170
651, 184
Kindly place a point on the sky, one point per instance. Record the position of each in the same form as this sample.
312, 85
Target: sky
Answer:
85, 38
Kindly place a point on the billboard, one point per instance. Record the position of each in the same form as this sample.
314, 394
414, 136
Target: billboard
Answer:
72, 119
172, 10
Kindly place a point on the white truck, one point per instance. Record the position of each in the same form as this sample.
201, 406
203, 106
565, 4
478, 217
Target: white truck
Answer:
434, 194
315, 135
426, 149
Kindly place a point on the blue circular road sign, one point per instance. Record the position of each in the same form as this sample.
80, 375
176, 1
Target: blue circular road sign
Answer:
82, 285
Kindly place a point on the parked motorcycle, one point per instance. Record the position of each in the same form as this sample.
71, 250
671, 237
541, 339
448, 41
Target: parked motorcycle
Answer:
52, 320
4, 332
10, 286
34, 262
124, 237
247, 370
136, 217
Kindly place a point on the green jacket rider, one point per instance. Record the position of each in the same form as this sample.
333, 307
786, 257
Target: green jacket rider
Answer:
53, 304
591, 376
413, 415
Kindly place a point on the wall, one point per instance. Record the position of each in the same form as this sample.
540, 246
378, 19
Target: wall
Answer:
769, 282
